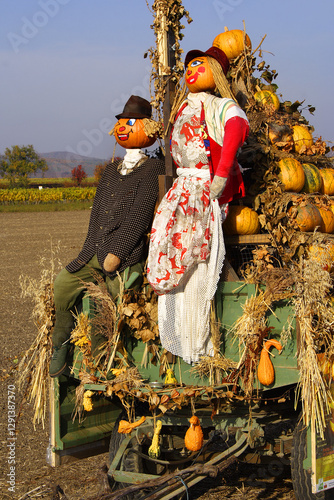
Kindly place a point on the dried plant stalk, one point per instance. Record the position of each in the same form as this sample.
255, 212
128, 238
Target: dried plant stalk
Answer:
316, 324
213, 367
34, 366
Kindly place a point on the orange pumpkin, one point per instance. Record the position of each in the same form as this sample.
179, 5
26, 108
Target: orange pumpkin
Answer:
265, 370
307, 217
241, 220
327, 175
193, 438
268, 99
313, 180
130, 134
232, 42
199, 77
301, 137
327, 220
291, 174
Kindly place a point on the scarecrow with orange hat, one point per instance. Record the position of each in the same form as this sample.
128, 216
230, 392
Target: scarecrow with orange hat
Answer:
120, 219
187, 249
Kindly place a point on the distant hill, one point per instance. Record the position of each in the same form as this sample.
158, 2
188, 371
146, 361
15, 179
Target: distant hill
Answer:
60, 163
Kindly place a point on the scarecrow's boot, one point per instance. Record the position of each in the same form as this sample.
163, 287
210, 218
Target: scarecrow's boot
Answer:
64, 325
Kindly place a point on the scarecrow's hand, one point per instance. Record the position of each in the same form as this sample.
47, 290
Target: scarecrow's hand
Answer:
217, 187
111, 263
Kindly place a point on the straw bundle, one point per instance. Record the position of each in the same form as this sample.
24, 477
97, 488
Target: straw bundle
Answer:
34, 366
215, 366
106, 318
316, 324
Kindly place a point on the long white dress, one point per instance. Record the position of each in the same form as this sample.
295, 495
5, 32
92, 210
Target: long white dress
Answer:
187, 250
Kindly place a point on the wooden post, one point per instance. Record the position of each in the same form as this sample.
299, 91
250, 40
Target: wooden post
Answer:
166, 51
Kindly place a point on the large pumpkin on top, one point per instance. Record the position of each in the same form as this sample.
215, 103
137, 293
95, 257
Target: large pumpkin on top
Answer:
313, 180
241, 220
232, 42
301, 137
130, 134
291, 174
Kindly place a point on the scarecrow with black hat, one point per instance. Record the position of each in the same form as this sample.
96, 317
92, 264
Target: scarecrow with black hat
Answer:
120, 220
187, 249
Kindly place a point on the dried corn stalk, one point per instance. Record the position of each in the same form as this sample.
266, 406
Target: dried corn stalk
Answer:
216, 366
34, 366
316, 325
167, 18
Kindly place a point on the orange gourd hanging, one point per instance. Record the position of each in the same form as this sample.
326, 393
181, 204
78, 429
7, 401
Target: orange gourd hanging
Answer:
265, 370
194, 435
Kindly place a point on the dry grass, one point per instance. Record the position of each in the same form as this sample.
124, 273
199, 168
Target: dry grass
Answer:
34, 366
106, 320
307, 285
316, 324
216, 366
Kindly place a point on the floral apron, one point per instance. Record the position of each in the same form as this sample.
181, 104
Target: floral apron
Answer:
187, 250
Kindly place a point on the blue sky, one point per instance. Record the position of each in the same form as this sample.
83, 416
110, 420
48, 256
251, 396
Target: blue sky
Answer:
68, 66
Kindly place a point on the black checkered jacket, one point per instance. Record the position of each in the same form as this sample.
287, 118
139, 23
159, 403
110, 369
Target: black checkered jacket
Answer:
121, 216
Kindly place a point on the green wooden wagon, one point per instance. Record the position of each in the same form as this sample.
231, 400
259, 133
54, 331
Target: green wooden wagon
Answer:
267, 425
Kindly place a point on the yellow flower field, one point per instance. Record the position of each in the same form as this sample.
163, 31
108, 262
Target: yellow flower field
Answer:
47, 195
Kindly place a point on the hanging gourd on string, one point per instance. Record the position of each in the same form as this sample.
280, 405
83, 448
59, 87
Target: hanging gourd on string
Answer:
193, 438
265, 371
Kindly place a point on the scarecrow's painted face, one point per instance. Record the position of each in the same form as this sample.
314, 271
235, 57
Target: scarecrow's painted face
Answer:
130, 134
199, 77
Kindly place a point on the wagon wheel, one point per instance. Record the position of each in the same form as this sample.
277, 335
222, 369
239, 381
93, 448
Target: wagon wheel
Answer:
136, 459
131, 461
301, 478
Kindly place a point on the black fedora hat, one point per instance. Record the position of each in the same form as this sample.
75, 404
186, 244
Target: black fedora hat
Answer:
136, 107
